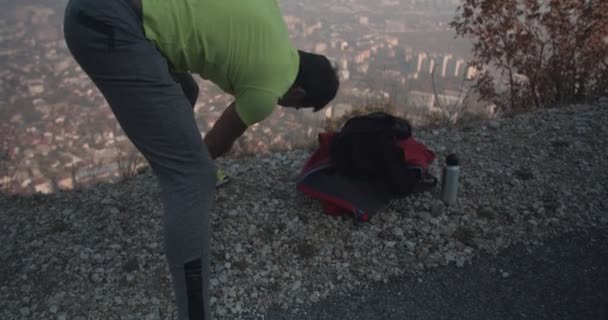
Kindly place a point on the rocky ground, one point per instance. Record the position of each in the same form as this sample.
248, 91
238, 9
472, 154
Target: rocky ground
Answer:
565, 278
97, 253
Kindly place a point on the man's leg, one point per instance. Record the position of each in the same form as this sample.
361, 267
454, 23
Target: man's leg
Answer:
106, 40
189, 86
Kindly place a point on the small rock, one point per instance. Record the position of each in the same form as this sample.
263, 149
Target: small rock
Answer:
524, 174
36, 89
505, 274
424, 216
410, 245
223, 278
398, 232
449, 256
63, 65
391, 217
113, 210
493, 124
486, 213
214, 282
437, 208
390, 244
25, 311
59, 296
96, 278
296, 286
449, 229
460, 262
130, 277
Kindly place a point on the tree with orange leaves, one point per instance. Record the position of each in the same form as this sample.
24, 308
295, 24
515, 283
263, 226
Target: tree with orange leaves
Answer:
547, 52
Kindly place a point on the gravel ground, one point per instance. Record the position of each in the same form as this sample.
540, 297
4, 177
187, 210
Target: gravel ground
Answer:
565, 278
97, 253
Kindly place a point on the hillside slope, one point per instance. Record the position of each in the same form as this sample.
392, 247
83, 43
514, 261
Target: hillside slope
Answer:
97, 253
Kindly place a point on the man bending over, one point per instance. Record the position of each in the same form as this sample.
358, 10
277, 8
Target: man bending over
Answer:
140, 53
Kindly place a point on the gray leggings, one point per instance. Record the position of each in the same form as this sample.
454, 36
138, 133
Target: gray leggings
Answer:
154, 108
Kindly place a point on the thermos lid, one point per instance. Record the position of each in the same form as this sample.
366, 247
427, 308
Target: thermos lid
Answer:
451, 160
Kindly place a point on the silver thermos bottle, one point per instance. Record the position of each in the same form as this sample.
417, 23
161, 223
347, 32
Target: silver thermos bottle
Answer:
449, 180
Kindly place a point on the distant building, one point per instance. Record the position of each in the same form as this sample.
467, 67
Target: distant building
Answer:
471, 73
432, 103
320, 47
444, 66
421, 59
344, 74
337, 110
395, 26
362, 56
392, 41
459, 66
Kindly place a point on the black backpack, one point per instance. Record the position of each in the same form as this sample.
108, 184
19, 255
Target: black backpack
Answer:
366, 149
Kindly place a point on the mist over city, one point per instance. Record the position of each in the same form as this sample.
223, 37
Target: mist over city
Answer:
57, 129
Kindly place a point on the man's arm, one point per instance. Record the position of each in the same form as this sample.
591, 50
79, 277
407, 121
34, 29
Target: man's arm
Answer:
225, 131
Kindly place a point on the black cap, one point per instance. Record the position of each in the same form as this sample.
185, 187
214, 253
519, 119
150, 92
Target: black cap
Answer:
451, 160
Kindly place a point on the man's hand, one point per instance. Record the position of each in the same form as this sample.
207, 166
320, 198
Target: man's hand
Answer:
225, 131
